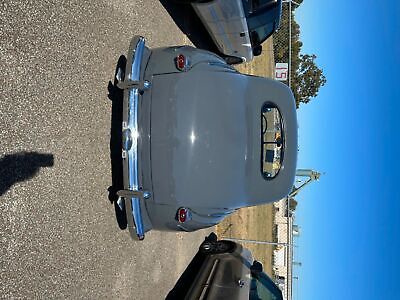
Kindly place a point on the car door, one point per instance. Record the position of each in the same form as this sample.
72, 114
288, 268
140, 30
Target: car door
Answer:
231, 280
222, 276
226, 23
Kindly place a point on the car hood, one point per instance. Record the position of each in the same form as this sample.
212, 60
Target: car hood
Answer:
205, 139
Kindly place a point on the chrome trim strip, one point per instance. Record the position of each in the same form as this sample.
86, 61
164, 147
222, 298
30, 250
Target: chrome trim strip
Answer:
133, 127
137, 60
133, 210
210, 278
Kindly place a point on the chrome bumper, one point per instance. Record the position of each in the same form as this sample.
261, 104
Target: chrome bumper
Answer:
130, 134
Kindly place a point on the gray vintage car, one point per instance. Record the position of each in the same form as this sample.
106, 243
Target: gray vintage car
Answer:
200, 139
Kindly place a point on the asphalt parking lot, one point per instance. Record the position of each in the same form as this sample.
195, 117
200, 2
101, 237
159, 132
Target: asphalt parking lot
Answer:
59, 236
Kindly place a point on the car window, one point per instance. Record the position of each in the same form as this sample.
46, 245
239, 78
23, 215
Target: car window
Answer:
263, 18
260, 291
265, 31
272, 141
258, 4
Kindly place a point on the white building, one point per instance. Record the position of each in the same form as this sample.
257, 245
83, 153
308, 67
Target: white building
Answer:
283, 254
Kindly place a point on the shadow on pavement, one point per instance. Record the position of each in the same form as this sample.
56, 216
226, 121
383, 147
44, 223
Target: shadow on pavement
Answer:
116, 96
21, 166
189, 23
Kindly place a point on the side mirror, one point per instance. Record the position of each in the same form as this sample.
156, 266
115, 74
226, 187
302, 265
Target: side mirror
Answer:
256, 268
257, 50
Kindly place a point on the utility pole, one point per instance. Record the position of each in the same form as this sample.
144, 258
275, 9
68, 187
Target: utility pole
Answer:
312, 176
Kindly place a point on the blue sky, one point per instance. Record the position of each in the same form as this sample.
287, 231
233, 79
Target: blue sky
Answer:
350, 237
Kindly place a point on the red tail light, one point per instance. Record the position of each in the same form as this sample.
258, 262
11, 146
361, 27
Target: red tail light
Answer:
183, 215
181, 62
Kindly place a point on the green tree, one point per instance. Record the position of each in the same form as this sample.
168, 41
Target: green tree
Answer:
307, 79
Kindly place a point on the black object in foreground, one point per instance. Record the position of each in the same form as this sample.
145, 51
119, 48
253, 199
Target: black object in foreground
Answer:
21, 166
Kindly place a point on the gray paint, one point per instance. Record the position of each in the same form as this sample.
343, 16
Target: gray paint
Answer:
200, 139
206, 140
227, 276
225, 21
219, 274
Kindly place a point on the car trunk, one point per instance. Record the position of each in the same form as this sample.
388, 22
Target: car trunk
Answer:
199, 140
206, 139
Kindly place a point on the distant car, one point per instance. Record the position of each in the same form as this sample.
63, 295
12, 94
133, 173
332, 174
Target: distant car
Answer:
238, 27
224, 270
196, 139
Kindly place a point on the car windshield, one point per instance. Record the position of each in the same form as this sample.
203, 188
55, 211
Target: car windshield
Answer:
263, 18
261, 289
272, 141
257, 4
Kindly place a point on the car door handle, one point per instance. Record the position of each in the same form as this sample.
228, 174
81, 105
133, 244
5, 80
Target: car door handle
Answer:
241, 283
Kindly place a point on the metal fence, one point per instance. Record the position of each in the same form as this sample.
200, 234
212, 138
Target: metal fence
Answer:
286, 39
281, 243
281, 39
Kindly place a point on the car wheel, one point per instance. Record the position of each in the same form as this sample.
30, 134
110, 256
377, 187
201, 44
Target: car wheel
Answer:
223, 247
209, 247
233, 60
